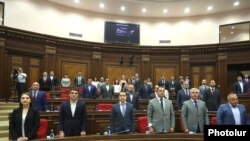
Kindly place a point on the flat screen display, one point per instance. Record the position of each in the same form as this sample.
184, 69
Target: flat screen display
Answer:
124, 33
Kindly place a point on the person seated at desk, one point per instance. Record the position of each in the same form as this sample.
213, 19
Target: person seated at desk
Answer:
73, 117
122, 116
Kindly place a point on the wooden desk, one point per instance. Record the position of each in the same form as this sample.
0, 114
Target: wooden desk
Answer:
135, 137
98, 121
245, 100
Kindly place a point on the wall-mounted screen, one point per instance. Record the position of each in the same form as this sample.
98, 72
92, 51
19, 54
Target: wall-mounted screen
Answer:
124, 33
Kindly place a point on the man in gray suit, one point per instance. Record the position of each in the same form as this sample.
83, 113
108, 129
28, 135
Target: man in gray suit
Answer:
194, 113
160, 114
202, 88
107, 90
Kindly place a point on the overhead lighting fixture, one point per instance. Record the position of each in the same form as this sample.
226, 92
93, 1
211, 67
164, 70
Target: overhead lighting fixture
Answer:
144, 10
101, 5
187, 10
123, 8
209, 8
236, 3
77, 1
165, 10
232, 27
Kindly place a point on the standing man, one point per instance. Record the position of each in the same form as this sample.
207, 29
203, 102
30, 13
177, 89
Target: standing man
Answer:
132, 97
160, 114
45, 82
73, 117
79, 80
183, 95
145, 90
212, 97
240, 87
231, 113
21, 82
107, 90
194, 113
39, 99
53, 79
202, 88
122, 116
89, 90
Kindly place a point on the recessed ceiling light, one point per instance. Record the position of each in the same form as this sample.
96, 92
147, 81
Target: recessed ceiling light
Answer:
144, 10
232, 32
101, 5
209, 8
76, 1
187, 10
165, 10
224, 38
123, 8
232, 27
236, 3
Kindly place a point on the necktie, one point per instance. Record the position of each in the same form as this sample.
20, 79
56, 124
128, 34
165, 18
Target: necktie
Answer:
212, 91
195, 104
34, 95
186, 91
162, 105
123, 109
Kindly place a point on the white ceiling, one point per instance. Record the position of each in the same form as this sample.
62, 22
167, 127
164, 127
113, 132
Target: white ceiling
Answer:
155, 7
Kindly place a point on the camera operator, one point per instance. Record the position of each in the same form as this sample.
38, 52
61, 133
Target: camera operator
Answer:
20, 77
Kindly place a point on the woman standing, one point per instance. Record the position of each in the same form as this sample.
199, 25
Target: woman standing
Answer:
24, 121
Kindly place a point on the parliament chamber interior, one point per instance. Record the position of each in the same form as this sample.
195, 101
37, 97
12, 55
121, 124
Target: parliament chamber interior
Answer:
41, 48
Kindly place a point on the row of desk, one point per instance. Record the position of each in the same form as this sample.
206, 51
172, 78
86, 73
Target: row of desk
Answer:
135, 137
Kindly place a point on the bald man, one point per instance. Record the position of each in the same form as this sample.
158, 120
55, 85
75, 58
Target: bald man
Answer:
39, 99
231, 113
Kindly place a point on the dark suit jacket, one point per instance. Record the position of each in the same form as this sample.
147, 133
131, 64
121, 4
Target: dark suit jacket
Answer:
107, 94
45, 86
54, 81
72, 126
41, 101
224, 115
31, 125
76, 81
87, 93
182, 97
135, 100
145, 94
118, 123
237, 88
166, 85
212, 100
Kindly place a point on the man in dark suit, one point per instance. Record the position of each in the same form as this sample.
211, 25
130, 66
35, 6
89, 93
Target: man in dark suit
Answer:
239, 87
194, 113
132, 97
122, 116
160, 113
145, 90
183, 95
53, 79
212, 97
89, 90
164, 83
107, 90
231, 113
202, 88
45, 82
79, 80
39, 99
73, 117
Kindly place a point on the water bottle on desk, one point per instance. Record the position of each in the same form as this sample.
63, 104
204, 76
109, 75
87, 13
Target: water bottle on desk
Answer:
147, 131
52, 135
194, 128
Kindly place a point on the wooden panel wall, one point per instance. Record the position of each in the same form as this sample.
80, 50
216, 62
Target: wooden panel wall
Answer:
159, 71
72, 68
115, 72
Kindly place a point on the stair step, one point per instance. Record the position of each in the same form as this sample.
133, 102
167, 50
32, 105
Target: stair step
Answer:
4, 118
4, 138
7, 107
4, 125
4, 133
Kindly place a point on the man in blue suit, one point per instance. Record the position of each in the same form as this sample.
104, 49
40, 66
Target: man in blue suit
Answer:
39, 99
231, 113
122, 116
89, 90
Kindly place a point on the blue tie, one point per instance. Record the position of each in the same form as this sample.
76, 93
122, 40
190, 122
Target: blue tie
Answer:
196, 104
